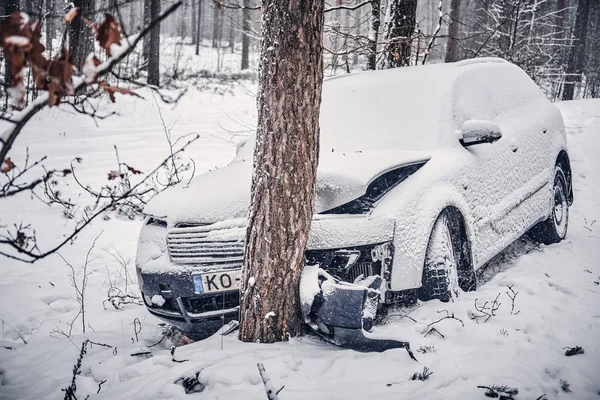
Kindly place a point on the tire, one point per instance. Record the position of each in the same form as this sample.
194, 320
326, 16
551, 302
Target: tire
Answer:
447, 268
554, 228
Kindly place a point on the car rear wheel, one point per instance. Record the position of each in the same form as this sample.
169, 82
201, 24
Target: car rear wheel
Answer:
447, 268
554, 228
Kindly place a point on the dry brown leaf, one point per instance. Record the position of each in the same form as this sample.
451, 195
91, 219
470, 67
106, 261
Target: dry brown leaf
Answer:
111, 90
7, 165
219, 6
108, 33
70, 16
112, 175
133, 170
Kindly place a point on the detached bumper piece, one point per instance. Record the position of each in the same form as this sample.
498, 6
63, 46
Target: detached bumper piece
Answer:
343, 313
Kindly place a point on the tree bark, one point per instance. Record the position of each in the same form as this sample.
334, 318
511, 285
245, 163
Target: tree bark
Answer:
9, 7
399, 27
146, 44
198, 26
81, 36
216, 33
374, 34
154, 46
245, 35
285, 168
231, 32
50, 10
577, 52
453, 31
194, 24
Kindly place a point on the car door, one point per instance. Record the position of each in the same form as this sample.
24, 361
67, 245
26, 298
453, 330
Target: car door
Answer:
488, 177
522, 112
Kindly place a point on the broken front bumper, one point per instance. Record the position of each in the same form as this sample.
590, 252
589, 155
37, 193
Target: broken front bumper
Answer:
343, 313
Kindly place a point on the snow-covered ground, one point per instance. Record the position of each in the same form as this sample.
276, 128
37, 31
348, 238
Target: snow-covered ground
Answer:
557, 306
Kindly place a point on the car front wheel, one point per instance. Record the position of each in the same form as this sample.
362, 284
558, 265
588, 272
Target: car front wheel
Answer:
447, 268
554, 228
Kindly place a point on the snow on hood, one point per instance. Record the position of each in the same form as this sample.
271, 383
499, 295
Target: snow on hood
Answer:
224, 193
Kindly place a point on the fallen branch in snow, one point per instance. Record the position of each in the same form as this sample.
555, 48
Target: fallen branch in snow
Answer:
422, 376
117, 298
103, 381
448, 316
512, 296
573, 351
434, 330
16, 331
486, 311
141, 353
191, 384
503, 392
269, 389
72, 388
565, 386
173, 348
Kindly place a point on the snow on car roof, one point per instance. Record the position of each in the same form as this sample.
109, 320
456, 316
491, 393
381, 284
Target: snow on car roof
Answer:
401, 108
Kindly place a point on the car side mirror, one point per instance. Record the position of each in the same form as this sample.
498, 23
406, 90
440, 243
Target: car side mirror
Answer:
476, 131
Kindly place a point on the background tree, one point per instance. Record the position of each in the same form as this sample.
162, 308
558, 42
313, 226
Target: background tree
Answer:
245, 35
400, 22
285, 168
453, 29
154, 46
577, 54
81, 36
9, 7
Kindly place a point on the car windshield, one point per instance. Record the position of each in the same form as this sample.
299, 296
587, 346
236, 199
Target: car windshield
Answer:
384, 110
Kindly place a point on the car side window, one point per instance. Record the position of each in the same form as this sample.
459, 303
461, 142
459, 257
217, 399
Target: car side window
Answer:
491, 90
470, 100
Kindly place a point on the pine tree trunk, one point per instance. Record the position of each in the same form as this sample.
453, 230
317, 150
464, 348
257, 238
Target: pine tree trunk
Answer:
50, 10
198, 26
216, 33
81, 36
577, 52
285, 167
374, 34
147, 39
9, 7
399, 27
453, 31
194, 24
154, 46
231, 32
245, 33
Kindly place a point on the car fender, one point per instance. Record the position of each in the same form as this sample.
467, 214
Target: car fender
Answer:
413, 230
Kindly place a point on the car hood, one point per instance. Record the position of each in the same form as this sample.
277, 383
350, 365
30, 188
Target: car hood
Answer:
224, 193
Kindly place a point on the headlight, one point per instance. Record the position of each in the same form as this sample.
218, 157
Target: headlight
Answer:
376, 190
156, 221
354, 264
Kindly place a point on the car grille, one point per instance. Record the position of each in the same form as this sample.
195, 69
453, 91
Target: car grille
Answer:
216, 245
360, 268
216, 302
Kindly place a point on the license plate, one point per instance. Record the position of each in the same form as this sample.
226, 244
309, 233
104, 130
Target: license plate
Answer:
217, 281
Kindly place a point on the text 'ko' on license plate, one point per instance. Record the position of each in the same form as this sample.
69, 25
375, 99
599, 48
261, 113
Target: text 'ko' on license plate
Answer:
217, 281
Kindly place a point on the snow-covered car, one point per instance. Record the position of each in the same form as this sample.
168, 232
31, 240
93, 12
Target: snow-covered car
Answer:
425, 173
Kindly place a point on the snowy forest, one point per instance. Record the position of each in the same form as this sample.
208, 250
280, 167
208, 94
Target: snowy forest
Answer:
221, 38
294, 199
